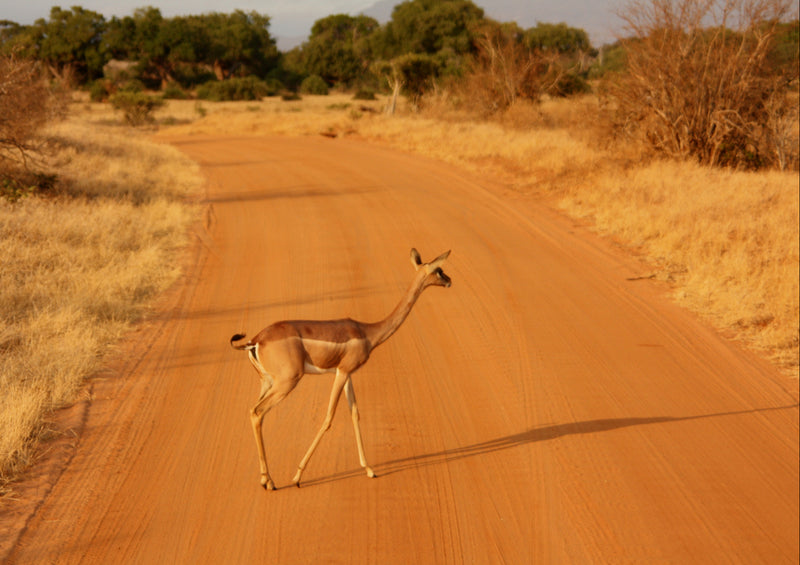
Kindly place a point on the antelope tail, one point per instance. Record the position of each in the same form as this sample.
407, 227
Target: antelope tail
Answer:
240, 337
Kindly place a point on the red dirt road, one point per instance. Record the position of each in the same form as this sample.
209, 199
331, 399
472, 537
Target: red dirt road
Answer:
544, 409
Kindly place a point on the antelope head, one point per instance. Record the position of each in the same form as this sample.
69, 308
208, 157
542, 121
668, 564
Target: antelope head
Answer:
434, 275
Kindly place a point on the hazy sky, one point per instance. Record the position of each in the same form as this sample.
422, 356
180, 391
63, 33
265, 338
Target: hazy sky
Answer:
288, 17
293, 18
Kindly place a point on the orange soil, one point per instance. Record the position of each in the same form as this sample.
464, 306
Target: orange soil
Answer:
544, 409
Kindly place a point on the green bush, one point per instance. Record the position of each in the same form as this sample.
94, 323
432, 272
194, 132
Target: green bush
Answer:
569, 84
364, 94
98, 91
174, 92
314, 84
274, 86
18, 184
247, 88
138, 107
611, 59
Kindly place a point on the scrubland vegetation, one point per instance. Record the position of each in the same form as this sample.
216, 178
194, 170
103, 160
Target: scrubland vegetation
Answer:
81, 264
680, 142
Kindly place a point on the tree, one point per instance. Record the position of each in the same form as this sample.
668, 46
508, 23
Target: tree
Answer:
413, 73
506, 69
417, 70
160, 44
698, 81
179, 48
558, 38
783, 55
9, 32
238, 43
430, 26
68, 43
394, 80
120, 39
142, 38
339, 48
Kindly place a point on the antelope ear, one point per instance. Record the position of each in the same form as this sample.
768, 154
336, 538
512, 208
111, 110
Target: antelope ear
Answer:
436, 263
416, 260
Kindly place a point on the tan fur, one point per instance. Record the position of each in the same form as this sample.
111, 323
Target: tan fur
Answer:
283, 352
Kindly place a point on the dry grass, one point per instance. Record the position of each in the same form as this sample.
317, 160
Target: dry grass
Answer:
726, 240
79, 268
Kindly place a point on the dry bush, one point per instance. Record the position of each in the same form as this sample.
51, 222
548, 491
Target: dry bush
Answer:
27, 103
137, 107
699, 82
504, 71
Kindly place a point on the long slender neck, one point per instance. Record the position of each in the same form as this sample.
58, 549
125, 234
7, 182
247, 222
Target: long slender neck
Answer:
378, 332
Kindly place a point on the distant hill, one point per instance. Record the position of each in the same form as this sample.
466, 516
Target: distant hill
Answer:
593, 16
381, 11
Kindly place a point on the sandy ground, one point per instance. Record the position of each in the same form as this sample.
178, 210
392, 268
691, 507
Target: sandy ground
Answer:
544, 409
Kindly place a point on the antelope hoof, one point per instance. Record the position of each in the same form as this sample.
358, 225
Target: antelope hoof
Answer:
267, 483
370, 473
296, 479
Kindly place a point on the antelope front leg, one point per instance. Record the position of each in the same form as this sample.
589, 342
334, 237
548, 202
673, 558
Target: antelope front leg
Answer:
351, 400
336, 393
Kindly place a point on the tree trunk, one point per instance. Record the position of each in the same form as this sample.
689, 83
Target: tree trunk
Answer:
396, 84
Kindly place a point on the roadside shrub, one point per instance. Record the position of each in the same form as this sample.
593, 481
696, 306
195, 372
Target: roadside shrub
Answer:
364, 94
504, 70
137, 107
27, 103
314, 84
274, 86
99, 91
246, 88
18, 184
174, 92
610, 59
698, 82
569, 84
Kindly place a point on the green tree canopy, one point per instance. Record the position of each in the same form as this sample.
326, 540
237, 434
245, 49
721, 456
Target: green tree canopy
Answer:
785, 51
68, 43
339, 48
430, 26
159, 44
9, 32
119, 39
238, 43
559, 38
231, 44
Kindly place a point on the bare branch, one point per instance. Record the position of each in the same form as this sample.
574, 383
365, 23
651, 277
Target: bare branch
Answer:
699, 80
